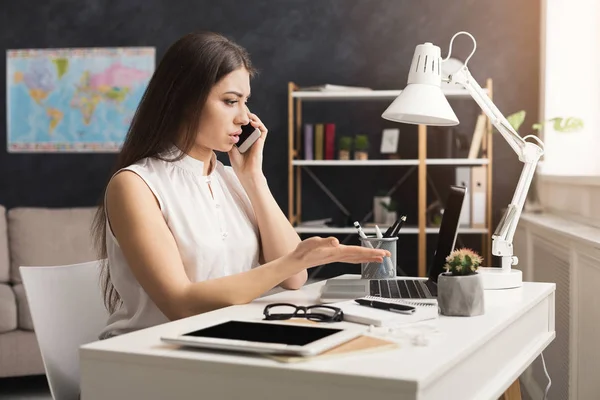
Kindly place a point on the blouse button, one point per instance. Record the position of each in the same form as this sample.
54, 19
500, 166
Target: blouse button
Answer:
218, 205
224, 235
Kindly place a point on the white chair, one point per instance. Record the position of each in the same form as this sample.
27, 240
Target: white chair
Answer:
67, 312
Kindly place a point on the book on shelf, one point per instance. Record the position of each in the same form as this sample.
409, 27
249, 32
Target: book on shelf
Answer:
318, 142
329, 141
319, 138
308, 142
334, 88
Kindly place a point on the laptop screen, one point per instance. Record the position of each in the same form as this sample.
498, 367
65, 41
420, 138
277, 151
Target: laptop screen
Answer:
448, 230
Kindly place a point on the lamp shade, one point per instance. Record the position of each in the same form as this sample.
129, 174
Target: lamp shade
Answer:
422, 101
421, 104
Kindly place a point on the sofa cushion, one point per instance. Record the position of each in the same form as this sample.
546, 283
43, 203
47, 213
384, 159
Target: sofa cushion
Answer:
49, 237
8, 308
4, 260
20, 356
23, 315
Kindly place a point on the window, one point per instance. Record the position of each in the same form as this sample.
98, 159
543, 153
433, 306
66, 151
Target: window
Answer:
570, 84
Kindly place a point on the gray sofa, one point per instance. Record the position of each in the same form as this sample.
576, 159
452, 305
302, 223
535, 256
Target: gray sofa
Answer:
34, 237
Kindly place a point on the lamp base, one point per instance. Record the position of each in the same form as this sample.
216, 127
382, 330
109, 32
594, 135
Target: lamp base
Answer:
496, 278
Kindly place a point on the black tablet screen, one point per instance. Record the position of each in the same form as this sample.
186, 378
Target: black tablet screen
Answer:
265, 333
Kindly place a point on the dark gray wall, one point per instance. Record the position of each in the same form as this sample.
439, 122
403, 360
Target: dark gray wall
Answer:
355, 42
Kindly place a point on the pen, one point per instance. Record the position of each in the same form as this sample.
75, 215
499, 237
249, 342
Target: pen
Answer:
362, 234
400, 308
378, 232
390, 230
399, 226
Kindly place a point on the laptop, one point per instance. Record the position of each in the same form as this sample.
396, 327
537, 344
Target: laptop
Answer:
406, 287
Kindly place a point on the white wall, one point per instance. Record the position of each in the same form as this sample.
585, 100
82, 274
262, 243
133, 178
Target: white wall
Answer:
570, 84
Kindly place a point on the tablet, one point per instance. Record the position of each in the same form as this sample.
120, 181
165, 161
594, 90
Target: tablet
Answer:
270, 337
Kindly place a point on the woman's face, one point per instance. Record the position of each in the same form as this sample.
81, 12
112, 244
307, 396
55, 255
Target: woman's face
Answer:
225, 112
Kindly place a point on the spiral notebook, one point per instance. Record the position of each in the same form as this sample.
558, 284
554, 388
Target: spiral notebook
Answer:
354, 312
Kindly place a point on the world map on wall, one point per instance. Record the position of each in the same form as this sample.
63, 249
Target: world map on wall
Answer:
74, 100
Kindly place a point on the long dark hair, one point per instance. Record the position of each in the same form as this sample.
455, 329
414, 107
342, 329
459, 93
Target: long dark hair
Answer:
169, 113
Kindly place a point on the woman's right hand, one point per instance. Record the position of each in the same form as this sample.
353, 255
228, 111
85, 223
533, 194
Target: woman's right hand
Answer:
317, 251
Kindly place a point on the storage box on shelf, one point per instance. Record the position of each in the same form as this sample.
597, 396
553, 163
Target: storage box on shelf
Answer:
295, 99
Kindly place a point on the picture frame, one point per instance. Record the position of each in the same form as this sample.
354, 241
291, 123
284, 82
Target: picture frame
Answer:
389, 141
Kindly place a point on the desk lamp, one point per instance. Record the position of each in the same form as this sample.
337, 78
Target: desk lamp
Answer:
422, 102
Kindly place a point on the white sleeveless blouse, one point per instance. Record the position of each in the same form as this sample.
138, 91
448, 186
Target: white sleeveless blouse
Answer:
216, 234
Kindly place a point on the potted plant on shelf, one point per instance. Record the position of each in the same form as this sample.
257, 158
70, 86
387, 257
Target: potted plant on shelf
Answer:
460, 289
435, 213
361, 147
345, 147
380, 202
390, 212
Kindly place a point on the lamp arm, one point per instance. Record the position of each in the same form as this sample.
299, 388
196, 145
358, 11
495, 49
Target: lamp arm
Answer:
529, 153
464, 78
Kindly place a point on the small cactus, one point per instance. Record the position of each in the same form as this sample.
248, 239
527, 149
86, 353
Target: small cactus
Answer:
463, 262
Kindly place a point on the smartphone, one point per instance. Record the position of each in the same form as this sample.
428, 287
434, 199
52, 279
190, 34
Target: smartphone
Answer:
248, 136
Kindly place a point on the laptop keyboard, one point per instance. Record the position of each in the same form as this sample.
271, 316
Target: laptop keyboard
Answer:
400, 289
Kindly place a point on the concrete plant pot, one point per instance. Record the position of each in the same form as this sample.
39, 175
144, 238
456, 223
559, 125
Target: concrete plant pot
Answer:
390, 217
361, 155
460, 296
344, 155
379, 212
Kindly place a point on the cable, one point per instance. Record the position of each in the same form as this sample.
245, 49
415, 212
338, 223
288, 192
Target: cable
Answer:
547, 376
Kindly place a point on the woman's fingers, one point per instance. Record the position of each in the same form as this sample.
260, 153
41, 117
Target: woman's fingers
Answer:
357, 260
317, 250
359, 254
365, 251
257, 123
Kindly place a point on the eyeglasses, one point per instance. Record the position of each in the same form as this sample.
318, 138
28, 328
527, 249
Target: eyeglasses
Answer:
319, 313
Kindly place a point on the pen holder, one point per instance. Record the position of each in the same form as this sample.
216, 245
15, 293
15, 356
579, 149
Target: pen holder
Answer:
386, 269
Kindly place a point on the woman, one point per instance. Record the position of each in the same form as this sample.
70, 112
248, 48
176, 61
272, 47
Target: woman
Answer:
181, 233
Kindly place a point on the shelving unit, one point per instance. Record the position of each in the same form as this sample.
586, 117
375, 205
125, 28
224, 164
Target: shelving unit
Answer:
372, 163
367, 94
295, 166
406, 230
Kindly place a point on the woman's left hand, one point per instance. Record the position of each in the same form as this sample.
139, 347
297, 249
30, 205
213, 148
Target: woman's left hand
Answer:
249, 164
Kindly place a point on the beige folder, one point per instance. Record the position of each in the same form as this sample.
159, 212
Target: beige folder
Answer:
477, 136
463, 178
478, 196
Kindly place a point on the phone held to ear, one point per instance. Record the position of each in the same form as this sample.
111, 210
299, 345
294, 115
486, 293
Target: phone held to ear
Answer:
248, 136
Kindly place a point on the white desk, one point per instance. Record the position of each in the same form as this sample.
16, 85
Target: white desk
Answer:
474, 358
